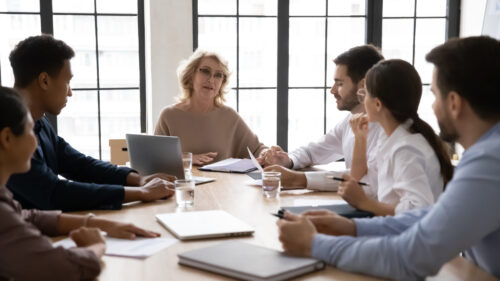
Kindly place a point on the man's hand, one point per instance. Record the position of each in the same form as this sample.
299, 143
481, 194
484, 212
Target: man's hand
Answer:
352, 192
163, 176
134, 179
204, 158
275, 156
330, 223
290, 179
157, 189
296, 234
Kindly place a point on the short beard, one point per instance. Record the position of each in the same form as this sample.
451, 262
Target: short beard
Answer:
350, 101
447, 133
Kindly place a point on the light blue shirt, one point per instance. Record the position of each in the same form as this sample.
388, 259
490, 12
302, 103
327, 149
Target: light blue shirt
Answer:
417, 243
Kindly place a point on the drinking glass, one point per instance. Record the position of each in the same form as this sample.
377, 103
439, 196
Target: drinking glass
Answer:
271, 184
184, 193
187, 162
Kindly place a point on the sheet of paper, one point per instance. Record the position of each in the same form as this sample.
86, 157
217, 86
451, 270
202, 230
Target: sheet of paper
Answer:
254, 182
317, 202
254, 161
140, 248
231, 164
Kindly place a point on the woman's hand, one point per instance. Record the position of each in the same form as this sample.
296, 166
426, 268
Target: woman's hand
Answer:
352, 192
121, 230
359, 125
85, 236
204, 158
275, 156
90, 238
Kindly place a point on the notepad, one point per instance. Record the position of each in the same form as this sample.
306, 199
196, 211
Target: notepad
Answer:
140, 248
231, 165
249, 262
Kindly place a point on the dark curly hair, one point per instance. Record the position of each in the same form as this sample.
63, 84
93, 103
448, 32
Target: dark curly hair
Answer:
38, 54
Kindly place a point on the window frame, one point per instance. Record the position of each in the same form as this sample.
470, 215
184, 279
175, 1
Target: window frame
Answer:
373, 35
47, 27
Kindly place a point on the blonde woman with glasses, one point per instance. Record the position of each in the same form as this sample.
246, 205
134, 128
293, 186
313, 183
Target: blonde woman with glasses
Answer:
206, 127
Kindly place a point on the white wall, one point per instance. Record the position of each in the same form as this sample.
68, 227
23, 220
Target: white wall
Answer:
471, 18
169, 39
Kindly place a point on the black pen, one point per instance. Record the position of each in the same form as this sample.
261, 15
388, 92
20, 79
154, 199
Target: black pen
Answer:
280, 214
341, 179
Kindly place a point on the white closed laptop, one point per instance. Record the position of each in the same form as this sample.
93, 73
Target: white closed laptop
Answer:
203, 224
158, 154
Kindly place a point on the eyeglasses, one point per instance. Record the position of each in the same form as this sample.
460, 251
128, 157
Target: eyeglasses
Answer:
361, 94
207, 74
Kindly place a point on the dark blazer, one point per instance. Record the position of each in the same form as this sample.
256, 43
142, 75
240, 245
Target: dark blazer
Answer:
88, 183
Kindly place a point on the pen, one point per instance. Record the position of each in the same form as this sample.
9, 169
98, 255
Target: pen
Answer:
280, 214
341, 179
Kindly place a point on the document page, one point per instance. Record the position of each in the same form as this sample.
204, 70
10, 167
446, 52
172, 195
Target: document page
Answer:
140, 248
231, 165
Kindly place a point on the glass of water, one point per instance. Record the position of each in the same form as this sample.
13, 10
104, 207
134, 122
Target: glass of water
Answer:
271, 184
184, 192
187, 162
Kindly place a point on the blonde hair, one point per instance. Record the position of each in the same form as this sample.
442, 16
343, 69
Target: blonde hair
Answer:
188, 68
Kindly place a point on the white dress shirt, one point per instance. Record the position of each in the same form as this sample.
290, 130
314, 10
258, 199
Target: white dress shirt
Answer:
338, 143
409, 173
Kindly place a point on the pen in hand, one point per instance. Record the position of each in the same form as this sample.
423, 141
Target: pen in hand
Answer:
280, 214
341, 179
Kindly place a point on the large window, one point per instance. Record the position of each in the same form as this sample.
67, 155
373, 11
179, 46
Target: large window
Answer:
318, 32
244, 32
108, 83
410, 29
301, 39
18, 20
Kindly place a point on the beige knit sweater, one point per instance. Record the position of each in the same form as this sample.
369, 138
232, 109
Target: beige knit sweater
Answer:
221, 130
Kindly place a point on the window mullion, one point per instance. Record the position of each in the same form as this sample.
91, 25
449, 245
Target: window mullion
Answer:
374, 22
453, 18
47, 26
282, 75
142, 63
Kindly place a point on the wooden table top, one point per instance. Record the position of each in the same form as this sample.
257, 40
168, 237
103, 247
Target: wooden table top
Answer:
231, 193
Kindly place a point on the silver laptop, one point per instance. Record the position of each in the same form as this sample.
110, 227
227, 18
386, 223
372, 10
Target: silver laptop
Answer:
158, 154
203, 224
246, 261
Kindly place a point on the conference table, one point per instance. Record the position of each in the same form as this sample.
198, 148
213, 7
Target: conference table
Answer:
233, 194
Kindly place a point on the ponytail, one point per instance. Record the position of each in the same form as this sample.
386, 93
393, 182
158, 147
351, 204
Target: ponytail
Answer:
439, 147
397, 84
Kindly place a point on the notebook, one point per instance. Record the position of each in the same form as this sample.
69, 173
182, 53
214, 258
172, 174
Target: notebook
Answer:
344, 210
231, 165
158, 154
249, 262
203, 224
